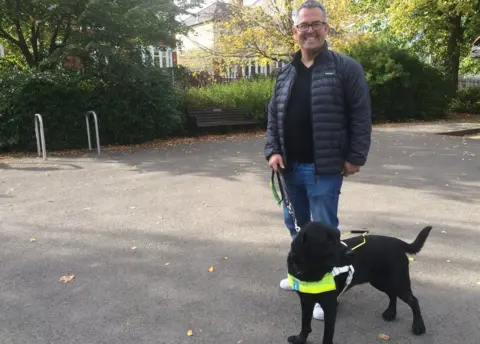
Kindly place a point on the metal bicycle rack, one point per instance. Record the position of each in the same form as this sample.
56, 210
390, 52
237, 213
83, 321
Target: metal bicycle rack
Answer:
41, 150
95, 119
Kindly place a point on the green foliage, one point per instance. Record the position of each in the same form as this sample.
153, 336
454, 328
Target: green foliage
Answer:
249, 94
442, 31
467, 101
402, 87
40, 33
133, 106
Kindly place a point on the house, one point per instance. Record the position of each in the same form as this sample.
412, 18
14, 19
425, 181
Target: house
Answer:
199, 49
475, 50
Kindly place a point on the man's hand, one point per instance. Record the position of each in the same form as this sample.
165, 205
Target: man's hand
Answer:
276, 162
349, 169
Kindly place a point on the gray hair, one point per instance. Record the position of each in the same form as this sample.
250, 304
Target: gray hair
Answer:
309, 4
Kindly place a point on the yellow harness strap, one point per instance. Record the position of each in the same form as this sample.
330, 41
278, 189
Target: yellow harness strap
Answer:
327, 283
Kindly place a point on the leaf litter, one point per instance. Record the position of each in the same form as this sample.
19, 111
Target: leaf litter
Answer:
67, 278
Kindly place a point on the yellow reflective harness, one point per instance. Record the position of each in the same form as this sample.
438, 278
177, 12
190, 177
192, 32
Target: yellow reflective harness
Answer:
327, 283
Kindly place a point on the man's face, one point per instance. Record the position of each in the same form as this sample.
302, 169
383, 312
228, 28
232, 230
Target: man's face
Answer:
310, 37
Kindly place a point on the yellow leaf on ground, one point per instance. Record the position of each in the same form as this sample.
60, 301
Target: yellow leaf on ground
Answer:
67, 278
411, 259
384, 337
211, 269
190, 333
33, 240
225, 258
478, 282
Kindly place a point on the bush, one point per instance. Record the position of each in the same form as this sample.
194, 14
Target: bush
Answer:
402, 87
467, 101
132, 106
249, 94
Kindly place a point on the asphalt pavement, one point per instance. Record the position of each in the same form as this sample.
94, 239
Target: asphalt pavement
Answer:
140, 229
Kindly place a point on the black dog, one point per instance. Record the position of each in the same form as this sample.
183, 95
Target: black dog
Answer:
380, 260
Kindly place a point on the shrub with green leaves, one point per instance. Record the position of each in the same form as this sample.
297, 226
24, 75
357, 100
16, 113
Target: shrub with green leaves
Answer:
249, 94
402, 87
133, 105
467, 101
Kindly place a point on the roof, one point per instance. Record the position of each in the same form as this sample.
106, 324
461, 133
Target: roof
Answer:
213, 11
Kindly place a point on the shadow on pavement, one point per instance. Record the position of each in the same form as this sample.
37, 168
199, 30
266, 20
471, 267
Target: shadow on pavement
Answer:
123, 295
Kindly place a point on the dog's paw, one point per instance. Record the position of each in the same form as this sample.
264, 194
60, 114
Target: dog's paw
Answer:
389, 315
418, 328
296, 340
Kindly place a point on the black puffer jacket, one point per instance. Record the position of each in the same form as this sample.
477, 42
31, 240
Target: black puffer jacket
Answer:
341, 112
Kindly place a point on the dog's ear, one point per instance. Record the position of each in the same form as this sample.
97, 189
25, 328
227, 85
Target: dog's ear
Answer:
303, 238
333, 234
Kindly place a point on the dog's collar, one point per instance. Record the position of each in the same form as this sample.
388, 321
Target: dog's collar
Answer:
327, 283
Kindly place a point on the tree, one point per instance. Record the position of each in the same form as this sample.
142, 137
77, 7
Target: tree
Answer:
441, 31
41, 32
264, 33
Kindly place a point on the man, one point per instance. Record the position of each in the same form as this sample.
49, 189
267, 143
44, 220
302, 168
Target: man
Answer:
319, 124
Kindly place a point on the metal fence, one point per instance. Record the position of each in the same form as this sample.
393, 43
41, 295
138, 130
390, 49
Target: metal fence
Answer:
465, 81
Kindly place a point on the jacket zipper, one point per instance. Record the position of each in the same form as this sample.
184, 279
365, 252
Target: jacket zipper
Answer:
285, 106
315, 175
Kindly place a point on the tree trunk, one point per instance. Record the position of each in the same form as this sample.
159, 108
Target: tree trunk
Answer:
452, 62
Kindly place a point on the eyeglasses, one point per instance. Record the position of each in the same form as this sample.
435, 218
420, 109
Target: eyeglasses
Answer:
305, 26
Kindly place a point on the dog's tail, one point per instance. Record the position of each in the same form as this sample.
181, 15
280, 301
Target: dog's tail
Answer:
417, 245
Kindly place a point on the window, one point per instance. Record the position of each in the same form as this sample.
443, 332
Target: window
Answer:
162, 57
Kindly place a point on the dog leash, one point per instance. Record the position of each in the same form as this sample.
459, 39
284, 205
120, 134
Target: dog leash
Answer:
286, 198
285, 195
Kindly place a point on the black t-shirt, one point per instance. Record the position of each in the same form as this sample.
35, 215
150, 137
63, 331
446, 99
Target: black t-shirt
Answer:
298, 121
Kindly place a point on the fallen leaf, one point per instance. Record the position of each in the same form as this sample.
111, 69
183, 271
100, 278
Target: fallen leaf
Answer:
33, 240
190, 333
449, 261
86, 208
444, 232
167, 264
67, 278
133, 207
225, 258
211, 269
134, 247
384, 337
411, 259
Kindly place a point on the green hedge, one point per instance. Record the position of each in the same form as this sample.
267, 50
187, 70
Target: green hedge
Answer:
132, 105
402, 87
467, 101
252, 95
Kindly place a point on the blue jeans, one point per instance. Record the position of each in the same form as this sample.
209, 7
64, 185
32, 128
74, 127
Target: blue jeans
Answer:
312, 197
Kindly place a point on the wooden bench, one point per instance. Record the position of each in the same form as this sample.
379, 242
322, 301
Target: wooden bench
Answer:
217, 117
